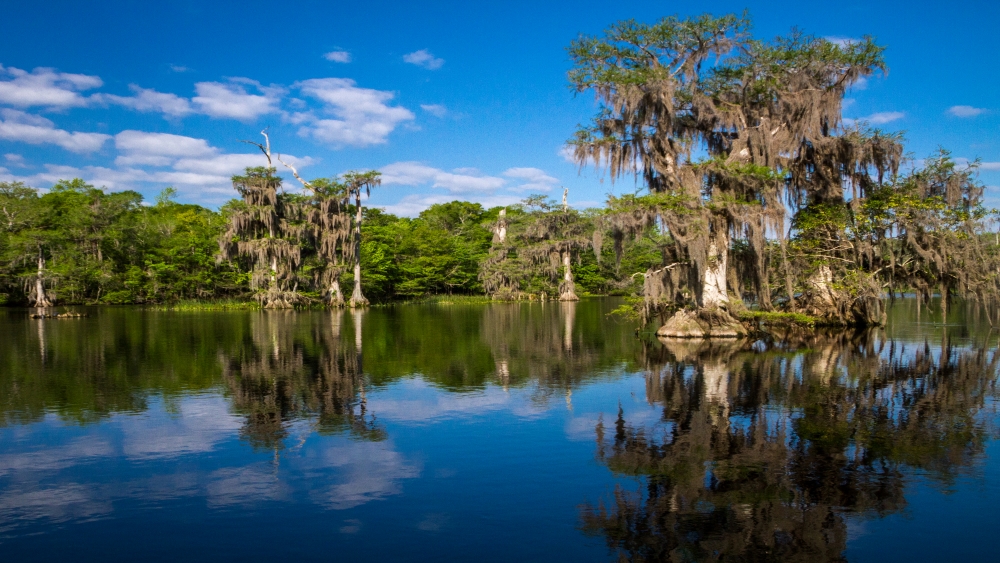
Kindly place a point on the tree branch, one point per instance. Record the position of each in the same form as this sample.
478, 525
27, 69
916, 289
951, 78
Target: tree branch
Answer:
647, 274
266, 148
296, 174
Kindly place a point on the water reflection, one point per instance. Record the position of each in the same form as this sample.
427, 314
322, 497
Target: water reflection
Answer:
476, 424
763, 453
278, 367
292, 370
239, 409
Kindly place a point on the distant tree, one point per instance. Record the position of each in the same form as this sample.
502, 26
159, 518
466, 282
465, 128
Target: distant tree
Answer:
28, 239
537, 240
557, 237
332, 232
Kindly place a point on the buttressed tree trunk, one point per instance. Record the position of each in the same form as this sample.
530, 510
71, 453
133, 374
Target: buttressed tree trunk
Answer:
714, 293
336, 295
38, 297
567, 289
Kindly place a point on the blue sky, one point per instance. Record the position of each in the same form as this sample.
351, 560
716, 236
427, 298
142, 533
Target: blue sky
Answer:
451, 100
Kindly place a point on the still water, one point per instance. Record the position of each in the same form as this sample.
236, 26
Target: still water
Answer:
520, 432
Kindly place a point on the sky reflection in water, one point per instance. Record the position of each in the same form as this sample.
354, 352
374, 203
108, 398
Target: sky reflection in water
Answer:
495, 432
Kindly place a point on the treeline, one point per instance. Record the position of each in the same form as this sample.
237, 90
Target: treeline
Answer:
78, 244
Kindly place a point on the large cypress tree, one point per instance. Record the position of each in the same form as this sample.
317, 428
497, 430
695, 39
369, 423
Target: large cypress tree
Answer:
724, 130
264, 231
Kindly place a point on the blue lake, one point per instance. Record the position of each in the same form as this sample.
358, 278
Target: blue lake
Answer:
541, 431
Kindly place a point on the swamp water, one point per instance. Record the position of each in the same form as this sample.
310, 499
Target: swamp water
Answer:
491, 433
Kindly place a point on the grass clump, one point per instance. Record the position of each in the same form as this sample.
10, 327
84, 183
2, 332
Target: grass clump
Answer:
777, 318
212, 305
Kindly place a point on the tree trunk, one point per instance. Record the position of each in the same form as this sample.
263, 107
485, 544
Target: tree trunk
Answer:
821, 284
945, 294
567, 289
712, 319
39, 298
713, 289
336, 296
501, 232
357, 298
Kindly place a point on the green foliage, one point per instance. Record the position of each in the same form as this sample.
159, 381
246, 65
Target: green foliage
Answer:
101, 247
778, 318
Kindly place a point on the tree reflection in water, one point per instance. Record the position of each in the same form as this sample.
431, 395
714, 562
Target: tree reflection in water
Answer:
762, 451
292, 370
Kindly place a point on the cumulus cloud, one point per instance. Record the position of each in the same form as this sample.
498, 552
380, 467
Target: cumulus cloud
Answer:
423, 58
158, 149
989, 166
879, 118
884, 117
231, 99
338, 56
965, 111
152, 101
44, 87
458, 182
229, 164
14, 159
357, 116
463, 181
191, 165
436, 110
22, 127
187, 155
533, 179
467, 183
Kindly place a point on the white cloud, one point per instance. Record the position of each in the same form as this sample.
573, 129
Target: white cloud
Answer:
884, 117
232, 100
468, 184
158, 149
22, 127
879, 118
965, 111
415, 174
436, 110
228, 164
151, 100
200, 187
989, 166
423, 58
534, 179
179, 68
338, 56
193, 160
361, 116
44, 87
15, 160
198, 170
